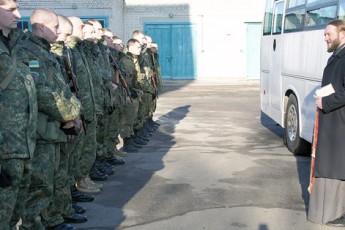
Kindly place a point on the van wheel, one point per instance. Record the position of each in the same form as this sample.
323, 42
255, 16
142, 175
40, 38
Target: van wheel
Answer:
294, 143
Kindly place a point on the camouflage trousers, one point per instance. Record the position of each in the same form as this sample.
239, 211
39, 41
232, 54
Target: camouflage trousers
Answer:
129, 116
152, 106
61, 205
142, 111
12, 198
114, 127
101, 133
42, 183
84, 153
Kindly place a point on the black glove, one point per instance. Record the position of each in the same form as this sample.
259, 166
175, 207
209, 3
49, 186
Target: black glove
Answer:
70, 131
134, 94
5, 179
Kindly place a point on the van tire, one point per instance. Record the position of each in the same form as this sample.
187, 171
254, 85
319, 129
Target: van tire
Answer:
293, 141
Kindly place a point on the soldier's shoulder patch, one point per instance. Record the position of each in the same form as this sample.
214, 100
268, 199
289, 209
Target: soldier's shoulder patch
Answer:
34, 64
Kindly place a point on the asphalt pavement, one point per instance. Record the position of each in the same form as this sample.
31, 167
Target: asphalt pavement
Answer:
214, 163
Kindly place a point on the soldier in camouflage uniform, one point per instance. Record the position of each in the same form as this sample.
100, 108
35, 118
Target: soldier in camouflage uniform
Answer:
91, 52
154, 50
18, 112
101, 50
155, 80
141, 127
129, 67
58, 108
113, 155
62, 199
85, 151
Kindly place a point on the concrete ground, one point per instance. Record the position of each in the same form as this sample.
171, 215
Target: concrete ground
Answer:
214, 163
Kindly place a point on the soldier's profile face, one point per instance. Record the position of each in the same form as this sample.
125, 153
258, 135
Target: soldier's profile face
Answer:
89, 32
98, 30
51, 31
118, 45
135, 48
78, 30
9, 15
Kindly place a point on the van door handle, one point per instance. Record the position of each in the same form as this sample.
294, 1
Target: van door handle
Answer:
274, 45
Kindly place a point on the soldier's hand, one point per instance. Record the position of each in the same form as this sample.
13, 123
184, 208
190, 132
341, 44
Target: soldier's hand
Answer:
70, 137
114, 86
79, 125
69, 125
128, 99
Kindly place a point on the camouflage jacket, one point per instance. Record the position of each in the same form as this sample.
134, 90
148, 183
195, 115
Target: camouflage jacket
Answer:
91, 56
146, 70
56, 103
18, 104
120, 93
83, 76
104, 64
130, 69
158, 72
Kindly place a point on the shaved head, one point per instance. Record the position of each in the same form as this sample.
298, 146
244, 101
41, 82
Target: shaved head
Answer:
45, 24
78, 26
42, 15
3, 2
148, 41
138, 35
98, 28
66, 29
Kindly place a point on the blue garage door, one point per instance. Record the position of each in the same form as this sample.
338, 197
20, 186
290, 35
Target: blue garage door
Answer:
176, 48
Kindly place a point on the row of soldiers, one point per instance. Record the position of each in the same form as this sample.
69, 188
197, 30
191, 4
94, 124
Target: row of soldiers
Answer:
68, 90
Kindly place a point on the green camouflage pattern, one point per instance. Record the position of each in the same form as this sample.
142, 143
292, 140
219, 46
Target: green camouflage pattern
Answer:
84, 154
18, 110
56, 103
91, 56
146, 67
18, 105
42, 184
83, 78
12, 198
158, 72
129, 68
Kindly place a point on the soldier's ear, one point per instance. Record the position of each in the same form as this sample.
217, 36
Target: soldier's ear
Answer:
38, 27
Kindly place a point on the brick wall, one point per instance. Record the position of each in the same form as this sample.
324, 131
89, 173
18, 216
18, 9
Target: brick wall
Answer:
113, 9
137, 15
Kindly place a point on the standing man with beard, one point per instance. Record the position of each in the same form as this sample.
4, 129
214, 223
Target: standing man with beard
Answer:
327, 198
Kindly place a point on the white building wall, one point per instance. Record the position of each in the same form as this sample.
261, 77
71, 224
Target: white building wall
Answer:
221, 34
113, 9
221, 29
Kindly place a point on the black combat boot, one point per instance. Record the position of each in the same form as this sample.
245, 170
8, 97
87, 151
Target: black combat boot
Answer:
97, 175
139, 141
128, 146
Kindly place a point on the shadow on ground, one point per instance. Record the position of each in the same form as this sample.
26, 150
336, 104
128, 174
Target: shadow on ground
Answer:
303, 162
110, 208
